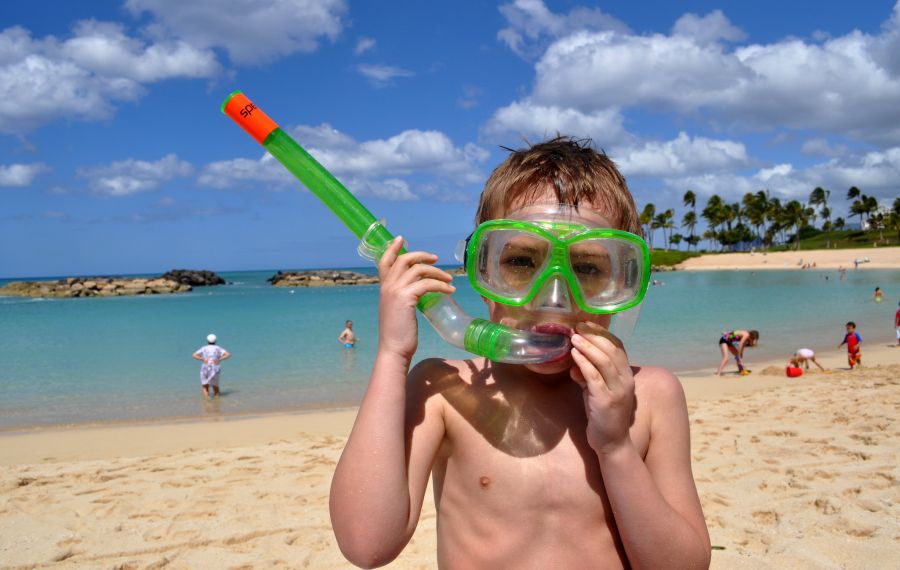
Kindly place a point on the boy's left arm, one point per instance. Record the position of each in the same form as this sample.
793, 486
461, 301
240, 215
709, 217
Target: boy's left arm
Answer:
654, 499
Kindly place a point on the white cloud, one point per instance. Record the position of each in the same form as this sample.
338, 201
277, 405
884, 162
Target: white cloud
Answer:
681, 156
20, 175
531, 25
708, 29
875, 173
381, 75
363, 45
127, 177
250, 31
390, 168
847, 85
527, 118
105, 50
82, 77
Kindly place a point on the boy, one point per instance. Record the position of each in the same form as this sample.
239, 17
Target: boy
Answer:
210, 355
583, 461
853, 342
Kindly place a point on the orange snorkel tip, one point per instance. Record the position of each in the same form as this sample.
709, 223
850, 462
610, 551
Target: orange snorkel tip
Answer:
250, 117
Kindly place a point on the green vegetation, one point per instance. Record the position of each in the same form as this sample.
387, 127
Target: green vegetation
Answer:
669, 257
846, 239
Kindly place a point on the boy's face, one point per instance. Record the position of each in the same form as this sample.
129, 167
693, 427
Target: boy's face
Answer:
850, 328
531, 317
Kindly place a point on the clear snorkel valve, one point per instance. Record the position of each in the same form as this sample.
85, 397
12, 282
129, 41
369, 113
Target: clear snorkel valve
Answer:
478, 336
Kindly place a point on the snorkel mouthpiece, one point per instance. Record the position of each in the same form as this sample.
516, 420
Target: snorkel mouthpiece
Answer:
478, 336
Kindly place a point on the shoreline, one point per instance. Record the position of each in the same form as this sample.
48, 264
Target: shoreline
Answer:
118, 439
879, 258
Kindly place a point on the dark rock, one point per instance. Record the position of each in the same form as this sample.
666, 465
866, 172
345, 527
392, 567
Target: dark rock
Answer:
193, 277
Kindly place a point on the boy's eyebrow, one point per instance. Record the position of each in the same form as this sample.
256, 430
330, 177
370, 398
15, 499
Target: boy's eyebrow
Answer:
517, 247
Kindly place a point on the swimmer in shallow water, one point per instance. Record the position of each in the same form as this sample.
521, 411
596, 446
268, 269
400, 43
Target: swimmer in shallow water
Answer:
348, 337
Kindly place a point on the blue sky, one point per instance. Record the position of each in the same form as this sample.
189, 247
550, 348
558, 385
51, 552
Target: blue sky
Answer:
115, 158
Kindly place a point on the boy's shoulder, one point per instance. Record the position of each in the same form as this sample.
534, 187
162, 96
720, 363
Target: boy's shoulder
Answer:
656, 378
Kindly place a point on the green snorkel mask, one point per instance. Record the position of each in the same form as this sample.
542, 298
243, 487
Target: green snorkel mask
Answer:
546, 256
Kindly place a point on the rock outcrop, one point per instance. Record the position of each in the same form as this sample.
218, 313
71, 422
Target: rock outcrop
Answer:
320, 278
193, 277
93, 287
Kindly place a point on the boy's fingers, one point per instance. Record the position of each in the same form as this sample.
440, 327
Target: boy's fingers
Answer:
423, 286
593, 379
423, 271
389, 257
606, 342
411, 258
600, 361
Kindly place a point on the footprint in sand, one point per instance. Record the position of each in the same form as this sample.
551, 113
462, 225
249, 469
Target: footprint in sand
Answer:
766, 517
826, 507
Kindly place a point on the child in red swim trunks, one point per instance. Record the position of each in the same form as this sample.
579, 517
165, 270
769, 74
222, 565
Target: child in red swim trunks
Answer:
853, 342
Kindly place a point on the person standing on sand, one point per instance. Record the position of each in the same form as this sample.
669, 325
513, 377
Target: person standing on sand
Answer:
853, 342
347, 336
734, 342
897, 325
211, 356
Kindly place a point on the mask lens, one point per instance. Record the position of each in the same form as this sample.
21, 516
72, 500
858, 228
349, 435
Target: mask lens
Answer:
509, 261
608, 271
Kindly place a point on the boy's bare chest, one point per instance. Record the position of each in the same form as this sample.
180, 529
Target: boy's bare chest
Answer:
526, 460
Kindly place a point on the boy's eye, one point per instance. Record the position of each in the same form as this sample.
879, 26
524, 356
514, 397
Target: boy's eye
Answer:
519, 262
590, 270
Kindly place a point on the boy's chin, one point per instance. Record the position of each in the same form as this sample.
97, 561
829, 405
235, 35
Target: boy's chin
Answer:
552, 368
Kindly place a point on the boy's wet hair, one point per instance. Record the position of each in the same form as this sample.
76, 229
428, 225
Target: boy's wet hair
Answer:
851, 324
578, 174
754, 334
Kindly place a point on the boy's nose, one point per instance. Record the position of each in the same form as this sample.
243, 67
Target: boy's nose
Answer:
554, 297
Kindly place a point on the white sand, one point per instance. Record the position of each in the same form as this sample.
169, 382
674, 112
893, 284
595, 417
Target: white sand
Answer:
879, 258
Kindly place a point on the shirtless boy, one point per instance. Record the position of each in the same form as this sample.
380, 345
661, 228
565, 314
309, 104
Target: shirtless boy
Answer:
582, 462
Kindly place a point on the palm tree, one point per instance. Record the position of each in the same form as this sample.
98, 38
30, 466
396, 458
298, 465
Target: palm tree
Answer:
690, 199
646, 219
659, 222
839, 224
893, 221
773, 216
853, 192
714, 213
870, 204
690, 222
755, 206
819, 198
858, 209
794, 214
668, 216
675, 239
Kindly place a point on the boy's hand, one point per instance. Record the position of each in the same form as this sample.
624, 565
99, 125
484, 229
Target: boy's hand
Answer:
603, 372
404, 279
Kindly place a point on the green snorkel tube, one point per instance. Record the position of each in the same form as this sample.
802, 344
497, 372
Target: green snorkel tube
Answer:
478, 336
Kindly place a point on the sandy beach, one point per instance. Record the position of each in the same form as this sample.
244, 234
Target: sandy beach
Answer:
879, 258
798, 473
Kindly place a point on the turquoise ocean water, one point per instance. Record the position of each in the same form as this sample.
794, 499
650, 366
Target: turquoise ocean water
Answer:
66, 361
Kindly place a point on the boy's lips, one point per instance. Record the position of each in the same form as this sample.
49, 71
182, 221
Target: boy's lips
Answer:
553, 328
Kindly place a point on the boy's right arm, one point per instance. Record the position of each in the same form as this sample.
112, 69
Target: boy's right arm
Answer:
379, 483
